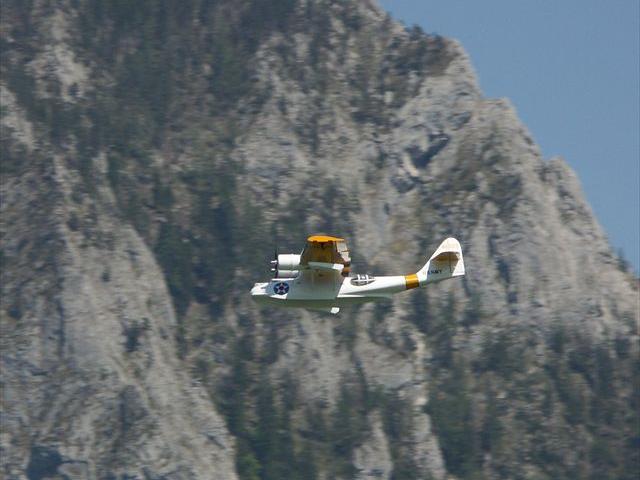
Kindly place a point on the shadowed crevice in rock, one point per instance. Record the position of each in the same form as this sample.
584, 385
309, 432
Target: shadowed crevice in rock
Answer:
437, 141
43, 462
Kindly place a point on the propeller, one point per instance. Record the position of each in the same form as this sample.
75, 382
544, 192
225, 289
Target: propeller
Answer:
274, 262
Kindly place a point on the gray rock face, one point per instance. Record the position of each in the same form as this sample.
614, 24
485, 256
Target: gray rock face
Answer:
92, 381
152, 158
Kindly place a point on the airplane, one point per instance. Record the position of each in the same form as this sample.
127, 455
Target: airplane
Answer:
318, 278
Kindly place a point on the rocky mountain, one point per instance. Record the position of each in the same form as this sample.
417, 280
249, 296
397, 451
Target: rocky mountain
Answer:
152, 155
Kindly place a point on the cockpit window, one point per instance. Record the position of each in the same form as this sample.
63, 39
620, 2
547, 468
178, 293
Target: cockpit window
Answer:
360, 280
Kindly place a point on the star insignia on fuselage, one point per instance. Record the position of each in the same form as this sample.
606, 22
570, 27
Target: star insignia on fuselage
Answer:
281, 288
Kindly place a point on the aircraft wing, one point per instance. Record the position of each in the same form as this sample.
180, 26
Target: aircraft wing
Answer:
326, 266
325, 253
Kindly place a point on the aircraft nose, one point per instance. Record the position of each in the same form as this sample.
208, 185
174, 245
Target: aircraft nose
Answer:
259, 293
258, 289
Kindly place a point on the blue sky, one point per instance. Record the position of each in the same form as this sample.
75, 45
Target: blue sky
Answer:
571, 68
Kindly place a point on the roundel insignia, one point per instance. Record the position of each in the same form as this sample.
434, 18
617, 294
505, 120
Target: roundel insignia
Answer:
281, 288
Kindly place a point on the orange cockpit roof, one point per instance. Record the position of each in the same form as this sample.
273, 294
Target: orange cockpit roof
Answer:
324, 239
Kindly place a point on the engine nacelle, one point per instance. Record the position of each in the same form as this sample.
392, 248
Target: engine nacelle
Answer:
286, 266
288, 261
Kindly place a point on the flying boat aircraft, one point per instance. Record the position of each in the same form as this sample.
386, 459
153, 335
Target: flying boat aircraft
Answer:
319, 277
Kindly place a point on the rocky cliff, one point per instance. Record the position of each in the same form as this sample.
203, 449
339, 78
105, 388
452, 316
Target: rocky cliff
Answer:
154, 152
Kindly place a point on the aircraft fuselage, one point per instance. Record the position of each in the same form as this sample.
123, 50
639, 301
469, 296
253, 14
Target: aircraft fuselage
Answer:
308, 291
317, 278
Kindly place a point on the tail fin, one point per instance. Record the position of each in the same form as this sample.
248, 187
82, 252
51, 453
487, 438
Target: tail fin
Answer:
446, 262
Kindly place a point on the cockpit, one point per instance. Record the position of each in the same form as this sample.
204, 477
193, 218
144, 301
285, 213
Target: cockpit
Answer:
360, 280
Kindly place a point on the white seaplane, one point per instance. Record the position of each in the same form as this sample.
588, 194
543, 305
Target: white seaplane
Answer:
318, 278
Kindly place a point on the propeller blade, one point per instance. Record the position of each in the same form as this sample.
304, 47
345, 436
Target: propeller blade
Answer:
274, 262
